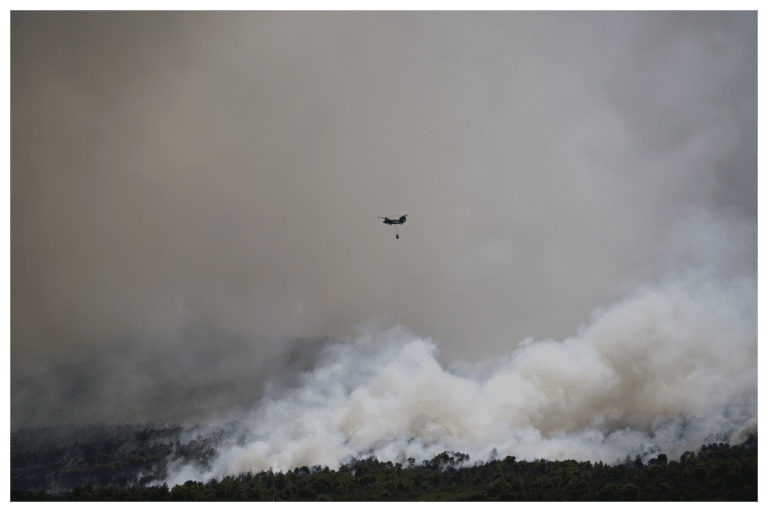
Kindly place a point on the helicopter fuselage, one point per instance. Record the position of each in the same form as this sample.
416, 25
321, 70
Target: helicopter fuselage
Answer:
401, 220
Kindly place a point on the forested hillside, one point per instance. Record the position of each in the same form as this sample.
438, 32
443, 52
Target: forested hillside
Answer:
716, 472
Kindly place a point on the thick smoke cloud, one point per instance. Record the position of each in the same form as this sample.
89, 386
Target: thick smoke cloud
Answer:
193, 203
665, 369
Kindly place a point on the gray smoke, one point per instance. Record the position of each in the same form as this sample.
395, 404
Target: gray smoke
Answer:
193, 223
667, 369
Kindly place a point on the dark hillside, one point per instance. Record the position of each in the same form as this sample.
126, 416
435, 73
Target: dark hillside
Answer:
104, 472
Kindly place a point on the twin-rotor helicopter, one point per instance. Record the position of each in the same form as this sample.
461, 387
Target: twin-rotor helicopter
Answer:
394, 222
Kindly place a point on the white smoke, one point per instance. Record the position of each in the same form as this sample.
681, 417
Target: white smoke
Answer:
668, 368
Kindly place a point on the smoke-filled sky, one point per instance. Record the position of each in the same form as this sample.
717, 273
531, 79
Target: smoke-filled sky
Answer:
194, 200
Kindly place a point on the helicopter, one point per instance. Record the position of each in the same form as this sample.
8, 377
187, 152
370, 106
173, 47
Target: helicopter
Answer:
394, 222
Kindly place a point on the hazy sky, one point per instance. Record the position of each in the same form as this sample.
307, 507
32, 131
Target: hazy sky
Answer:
189, 191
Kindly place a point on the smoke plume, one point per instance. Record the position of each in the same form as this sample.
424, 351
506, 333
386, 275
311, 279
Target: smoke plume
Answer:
194, 236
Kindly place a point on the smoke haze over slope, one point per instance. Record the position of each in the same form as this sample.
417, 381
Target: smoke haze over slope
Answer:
193, 215
664, 370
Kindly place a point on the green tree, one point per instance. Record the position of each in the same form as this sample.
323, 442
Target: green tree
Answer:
499, 490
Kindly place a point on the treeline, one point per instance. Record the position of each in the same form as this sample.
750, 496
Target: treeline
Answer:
122, 457
717, 472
